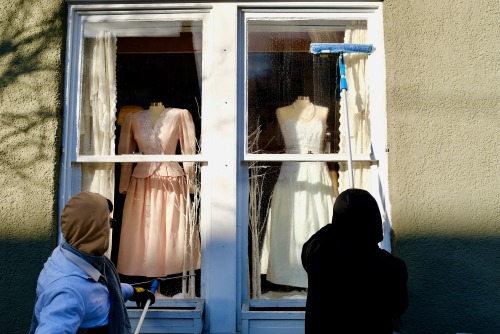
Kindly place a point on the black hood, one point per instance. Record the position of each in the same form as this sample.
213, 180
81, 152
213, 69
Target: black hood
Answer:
356, 218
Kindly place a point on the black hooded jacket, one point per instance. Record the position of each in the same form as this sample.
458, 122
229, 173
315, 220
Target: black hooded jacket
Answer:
353, 285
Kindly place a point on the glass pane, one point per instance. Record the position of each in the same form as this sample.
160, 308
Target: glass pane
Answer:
155, 230
287, 82
293, 107
141, 95
128, 74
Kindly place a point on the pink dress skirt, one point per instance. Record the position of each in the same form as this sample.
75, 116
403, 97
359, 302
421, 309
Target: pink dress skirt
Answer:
155, 234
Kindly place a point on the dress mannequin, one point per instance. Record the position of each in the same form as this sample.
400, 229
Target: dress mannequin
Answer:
153, 232
302, 200
155, 110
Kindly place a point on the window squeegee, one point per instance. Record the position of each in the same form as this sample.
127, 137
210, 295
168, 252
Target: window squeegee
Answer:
341, 48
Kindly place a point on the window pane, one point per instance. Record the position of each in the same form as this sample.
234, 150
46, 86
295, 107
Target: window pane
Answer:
158, 232
293, 107
127, 74
141, 95
155, 230
286, 82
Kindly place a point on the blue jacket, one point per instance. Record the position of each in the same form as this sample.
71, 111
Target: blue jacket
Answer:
70, 295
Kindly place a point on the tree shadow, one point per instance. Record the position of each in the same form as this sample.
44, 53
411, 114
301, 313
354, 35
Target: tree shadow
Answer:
30, 51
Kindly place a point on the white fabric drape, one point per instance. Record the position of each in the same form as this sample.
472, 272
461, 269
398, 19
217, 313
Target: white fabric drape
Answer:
358, 104
97, 122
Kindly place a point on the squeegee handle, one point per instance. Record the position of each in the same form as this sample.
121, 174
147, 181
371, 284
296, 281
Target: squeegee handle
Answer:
343, 80
154, 286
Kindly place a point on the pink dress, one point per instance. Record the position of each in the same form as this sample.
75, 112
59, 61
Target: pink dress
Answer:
154, 225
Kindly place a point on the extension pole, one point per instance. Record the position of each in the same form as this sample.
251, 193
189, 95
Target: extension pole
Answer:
343, 95
154, 286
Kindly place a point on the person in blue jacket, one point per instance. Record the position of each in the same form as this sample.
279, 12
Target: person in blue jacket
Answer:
353, 285
78, 289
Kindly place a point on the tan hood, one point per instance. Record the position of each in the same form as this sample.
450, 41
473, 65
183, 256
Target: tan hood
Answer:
85, 223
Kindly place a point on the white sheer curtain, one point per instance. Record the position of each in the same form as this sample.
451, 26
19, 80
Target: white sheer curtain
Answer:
358, 104
97, 122
98, 117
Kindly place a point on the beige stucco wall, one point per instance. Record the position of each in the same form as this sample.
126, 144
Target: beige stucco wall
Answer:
443, 110
32, 37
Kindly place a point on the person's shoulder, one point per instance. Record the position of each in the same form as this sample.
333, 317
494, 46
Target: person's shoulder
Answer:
392, 261
326, 232
320, 243
61, 273
70, 288
389, 255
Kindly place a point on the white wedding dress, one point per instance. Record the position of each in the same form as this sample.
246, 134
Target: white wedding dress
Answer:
302, 203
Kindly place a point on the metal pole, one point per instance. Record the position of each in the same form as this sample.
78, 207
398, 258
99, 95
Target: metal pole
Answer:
154, 286
343, 96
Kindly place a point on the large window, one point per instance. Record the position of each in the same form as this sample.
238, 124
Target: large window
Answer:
292, 109
139, 124
298, 150
221, 140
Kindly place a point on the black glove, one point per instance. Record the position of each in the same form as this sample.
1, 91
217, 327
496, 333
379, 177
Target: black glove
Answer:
141, 296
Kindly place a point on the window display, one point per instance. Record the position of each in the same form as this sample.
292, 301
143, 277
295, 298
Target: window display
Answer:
303, 196
294, 110
154, 211
156, 233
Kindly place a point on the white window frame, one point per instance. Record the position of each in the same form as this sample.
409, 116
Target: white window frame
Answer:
224, 157
112, 17
308, 14
372, 14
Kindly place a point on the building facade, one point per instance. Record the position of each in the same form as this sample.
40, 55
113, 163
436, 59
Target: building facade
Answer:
77, 76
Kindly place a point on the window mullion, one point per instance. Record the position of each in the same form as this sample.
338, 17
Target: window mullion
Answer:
142, 158
331, 157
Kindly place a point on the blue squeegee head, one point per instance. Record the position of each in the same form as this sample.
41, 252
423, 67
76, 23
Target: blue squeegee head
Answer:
317, 48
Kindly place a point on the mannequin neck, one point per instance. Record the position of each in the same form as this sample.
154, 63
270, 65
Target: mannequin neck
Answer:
302, 102
155, 110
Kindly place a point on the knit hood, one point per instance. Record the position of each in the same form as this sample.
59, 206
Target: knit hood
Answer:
85, 223
356, 218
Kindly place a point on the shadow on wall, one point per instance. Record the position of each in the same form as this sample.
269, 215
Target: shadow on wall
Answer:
32, 37
453, 285
27, 57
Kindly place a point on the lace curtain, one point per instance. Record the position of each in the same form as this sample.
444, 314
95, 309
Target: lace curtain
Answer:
97, 122
358, 104
98, 117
